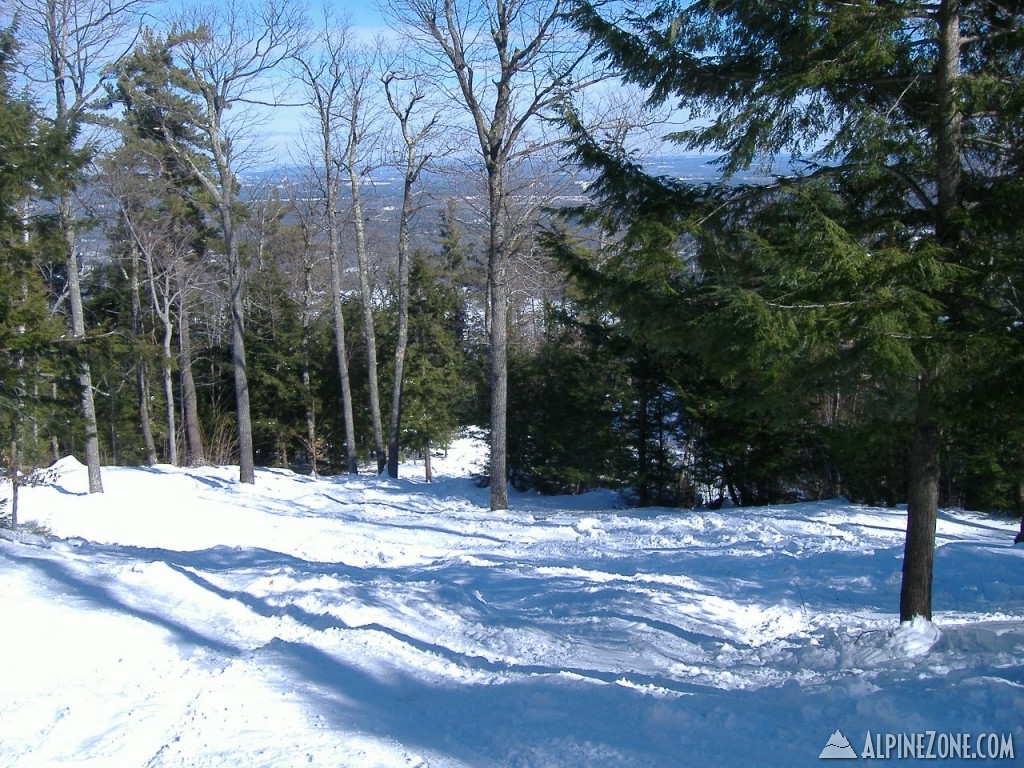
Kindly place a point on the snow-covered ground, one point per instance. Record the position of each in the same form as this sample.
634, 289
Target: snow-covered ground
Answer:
182, 619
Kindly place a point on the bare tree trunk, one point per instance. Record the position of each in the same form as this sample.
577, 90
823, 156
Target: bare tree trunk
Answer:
92, 440
312, 449
12, 473
1020, 496
142, 388
428, 472
498, 294
161, 301
366, 296
168, 379
341, 350
189, 400
246, 459
226, 66
145, 421
79, 40
311, 438
500, 86
401, 344
15, 486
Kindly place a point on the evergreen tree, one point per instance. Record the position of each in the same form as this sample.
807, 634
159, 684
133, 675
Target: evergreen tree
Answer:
30, 153
572, 404
905, 117
434, 391
280, 344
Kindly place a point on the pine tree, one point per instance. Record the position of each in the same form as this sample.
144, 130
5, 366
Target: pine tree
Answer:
29, 154
434, 392
901, 120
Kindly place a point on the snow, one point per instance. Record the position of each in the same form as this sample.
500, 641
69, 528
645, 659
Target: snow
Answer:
183, 619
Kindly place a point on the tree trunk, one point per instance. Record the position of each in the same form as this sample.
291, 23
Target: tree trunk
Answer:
366, 295
307, 386
12, 473
922, 509
311, 439
92, 439
145, 421
1020, 511
498, 337
340, 347
246, 460
923, 491
142, 389
189, 399
168, 379
402, 342
428, 472
643, 476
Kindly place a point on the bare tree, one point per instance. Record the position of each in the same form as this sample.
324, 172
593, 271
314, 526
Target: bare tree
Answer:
508, 63
406, 95
322, 73
226, 61
358, 120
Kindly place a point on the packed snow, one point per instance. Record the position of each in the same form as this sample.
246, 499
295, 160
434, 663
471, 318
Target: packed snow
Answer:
184, 619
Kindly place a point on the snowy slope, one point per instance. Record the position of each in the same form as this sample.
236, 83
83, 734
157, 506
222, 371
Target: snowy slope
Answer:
181, 619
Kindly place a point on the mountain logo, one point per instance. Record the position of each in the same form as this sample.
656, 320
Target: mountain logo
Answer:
838, 748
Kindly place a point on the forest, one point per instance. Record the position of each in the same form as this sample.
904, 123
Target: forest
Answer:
461, 227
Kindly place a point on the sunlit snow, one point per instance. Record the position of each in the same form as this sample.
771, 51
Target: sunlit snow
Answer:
183, 619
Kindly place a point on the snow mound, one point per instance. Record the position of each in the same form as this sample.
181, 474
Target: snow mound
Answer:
915, 638
66, 466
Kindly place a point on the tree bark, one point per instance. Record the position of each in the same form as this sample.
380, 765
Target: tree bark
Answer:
246, 460
402, 342
366, 296
189, 399
162, 301
498, 337
92, 438
923, 491
12, 473
324, 78
168, 379
142, 389
145, 421
341, 351
225, 66
312, 449
922, 509
503, 93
